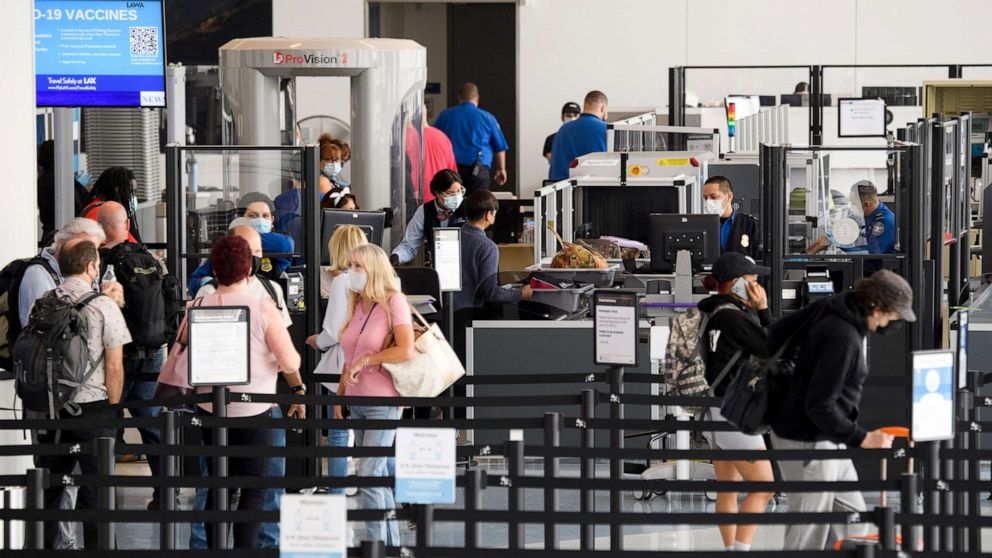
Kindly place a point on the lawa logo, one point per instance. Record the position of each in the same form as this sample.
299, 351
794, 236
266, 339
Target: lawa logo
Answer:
279, 57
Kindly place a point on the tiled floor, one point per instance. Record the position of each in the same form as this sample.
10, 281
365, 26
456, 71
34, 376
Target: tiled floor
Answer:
641, 537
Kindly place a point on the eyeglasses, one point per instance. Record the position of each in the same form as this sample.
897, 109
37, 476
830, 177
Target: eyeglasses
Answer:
452, 194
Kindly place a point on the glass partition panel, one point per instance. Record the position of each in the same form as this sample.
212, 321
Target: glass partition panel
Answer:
265, 186
899, 86
839, 201
711, 86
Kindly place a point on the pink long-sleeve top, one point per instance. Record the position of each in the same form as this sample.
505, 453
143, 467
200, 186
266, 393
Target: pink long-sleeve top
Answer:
272, 350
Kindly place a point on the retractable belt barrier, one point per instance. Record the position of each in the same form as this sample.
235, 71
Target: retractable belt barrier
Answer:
942, 533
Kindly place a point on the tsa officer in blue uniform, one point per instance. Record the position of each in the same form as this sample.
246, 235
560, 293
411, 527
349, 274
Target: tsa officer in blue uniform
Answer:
880, 221
477, 140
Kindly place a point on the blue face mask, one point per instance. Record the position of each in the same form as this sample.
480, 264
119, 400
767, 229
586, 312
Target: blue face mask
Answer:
454, 202
132, 205
262, 225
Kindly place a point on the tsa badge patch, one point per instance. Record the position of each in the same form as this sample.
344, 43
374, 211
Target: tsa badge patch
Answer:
878, 228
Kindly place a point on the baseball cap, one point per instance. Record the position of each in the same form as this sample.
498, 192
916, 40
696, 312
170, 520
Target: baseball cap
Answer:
733, 264
571, 108
897, 291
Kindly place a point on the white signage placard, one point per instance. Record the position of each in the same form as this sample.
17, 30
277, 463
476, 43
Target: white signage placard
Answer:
861, 118
219, 348
933, 395
425, 465
313, 526
615, 324
448, 258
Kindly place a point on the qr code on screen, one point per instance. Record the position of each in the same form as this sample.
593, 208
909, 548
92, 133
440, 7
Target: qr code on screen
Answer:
144, 40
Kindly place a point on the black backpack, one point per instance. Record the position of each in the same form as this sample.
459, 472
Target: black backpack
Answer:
10, 288
51, 358
141, 277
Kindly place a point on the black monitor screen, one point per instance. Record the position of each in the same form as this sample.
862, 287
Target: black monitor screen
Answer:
671, 233
371, 222
624, 212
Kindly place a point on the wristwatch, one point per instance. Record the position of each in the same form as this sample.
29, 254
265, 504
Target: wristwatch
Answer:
298, 389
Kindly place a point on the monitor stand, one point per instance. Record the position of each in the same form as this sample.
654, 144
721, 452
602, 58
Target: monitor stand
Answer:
682, 286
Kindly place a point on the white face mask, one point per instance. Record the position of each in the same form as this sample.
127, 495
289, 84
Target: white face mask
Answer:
357, 280
713, 207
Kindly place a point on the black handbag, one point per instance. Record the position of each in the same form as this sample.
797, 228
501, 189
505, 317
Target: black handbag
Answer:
752, 397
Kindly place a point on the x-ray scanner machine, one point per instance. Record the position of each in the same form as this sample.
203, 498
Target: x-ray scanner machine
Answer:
387, 84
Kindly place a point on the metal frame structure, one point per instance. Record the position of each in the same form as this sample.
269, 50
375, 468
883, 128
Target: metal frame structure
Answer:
677, 87
555, 203
626, 138
177, 256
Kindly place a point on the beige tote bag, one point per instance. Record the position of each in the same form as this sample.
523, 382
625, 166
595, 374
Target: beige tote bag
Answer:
434, 366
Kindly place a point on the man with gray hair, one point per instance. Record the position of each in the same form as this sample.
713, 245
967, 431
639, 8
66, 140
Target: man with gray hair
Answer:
44, 275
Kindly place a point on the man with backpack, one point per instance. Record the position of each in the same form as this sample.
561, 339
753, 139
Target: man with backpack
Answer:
77, 336
141, 277
819, 408
22, 283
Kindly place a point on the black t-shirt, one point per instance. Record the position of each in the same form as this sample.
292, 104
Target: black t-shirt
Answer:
548, 143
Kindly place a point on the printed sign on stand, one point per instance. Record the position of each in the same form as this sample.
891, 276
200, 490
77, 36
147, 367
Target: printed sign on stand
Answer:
615, 323
219, 348
448, 258
425, 465
313, 526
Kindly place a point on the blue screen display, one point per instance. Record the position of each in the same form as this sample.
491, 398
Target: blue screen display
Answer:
99, 53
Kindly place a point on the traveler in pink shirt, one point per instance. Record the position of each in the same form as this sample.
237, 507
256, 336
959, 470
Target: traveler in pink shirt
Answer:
374, 304
271, 351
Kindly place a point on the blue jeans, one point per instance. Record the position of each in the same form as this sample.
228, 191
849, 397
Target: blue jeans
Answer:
143, 391
336, 466
376, 498
268, 535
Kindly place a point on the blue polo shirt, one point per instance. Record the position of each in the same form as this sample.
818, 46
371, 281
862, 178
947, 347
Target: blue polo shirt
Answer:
880, 230
726, 225
587, 134
473, 133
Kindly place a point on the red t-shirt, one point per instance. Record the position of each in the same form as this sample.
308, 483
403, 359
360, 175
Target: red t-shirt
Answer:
438, 155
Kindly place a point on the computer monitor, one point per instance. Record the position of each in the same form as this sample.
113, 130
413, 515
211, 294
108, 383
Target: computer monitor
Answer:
372, 224
860, 118
795, 100
672, 232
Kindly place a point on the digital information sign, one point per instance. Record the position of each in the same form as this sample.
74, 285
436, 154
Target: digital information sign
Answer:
99, 53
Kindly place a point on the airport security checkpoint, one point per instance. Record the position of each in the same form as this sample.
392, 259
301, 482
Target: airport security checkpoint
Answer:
303, 294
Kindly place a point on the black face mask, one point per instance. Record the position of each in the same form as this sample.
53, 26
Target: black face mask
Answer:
895, 325
256, 264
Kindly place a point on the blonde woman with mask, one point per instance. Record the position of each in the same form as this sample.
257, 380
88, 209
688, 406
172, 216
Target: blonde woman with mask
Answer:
344, 240
376, 309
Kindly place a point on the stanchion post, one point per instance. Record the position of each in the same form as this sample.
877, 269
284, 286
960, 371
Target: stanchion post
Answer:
552, 439
974, 467
449, 330
931, 534
474, 483
962, 501
948, 533
425, 528
7, 504
220, 528
866, 551
909, 489
616, 463
104, 448
34, 499
167, 493
514, 450
373, 549
587, 471
886, 518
